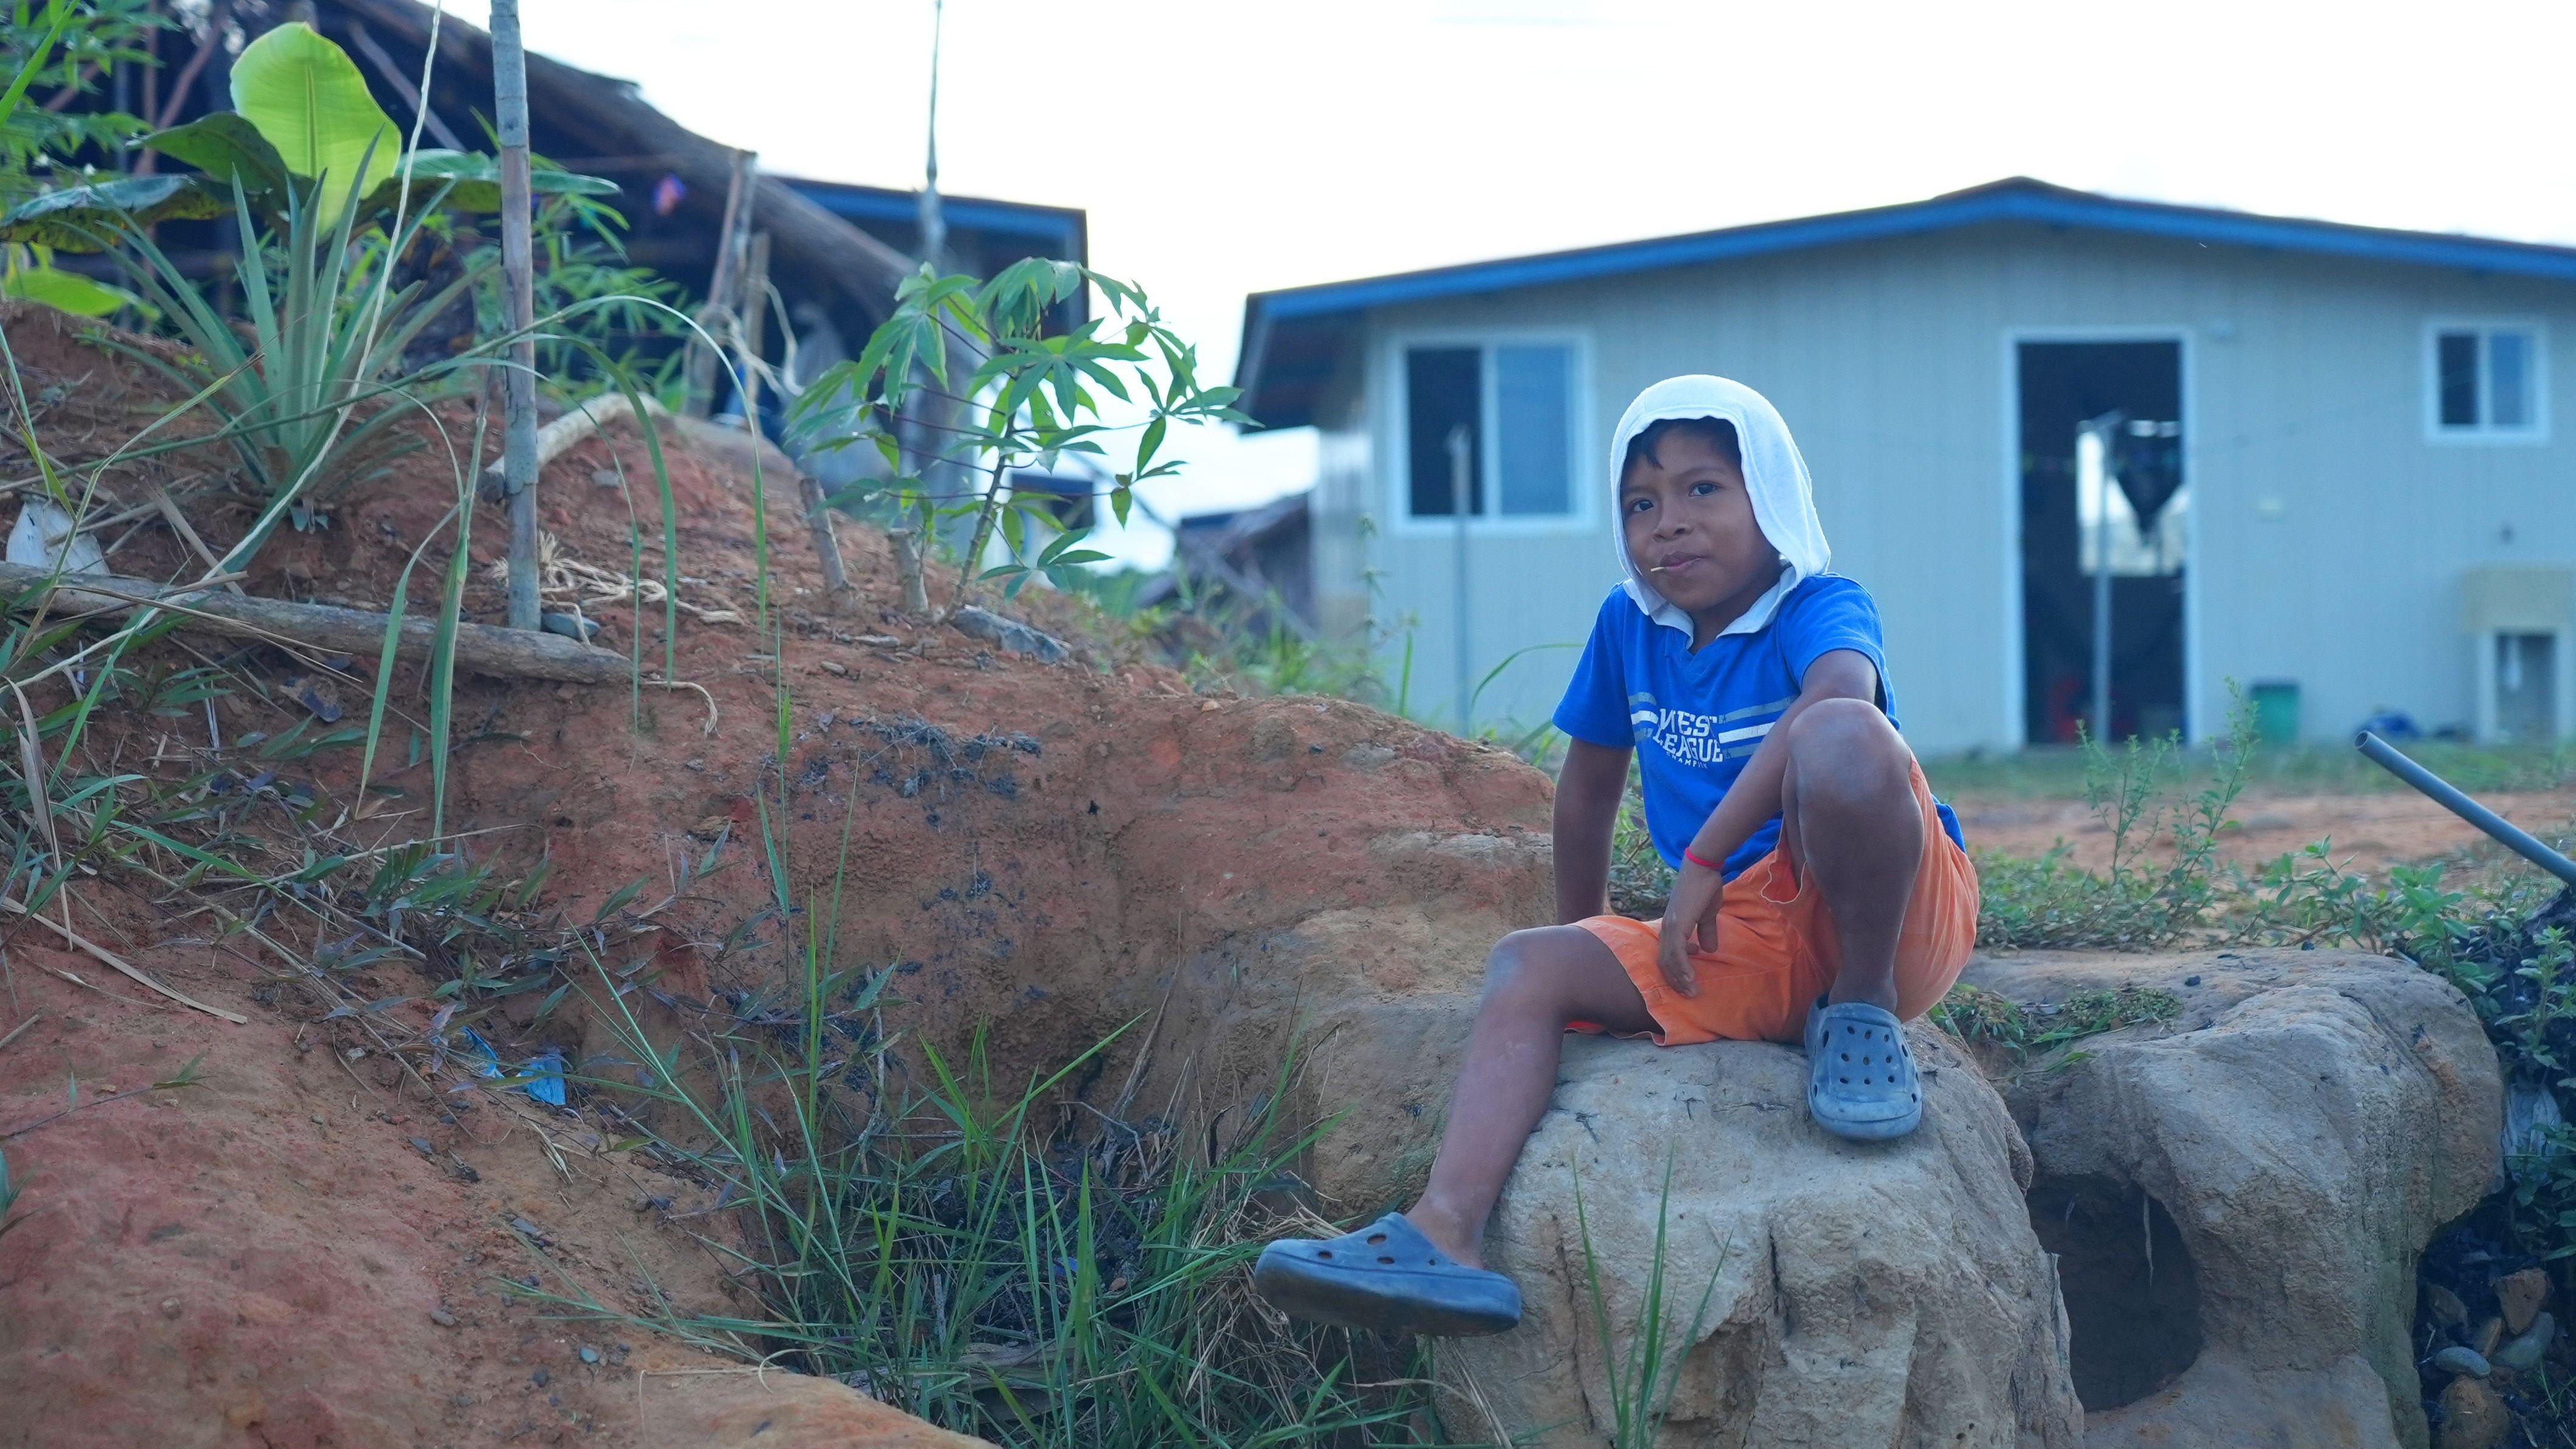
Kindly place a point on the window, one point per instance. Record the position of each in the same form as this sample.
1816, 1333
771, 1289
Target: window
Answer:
2486, 381
1490, 430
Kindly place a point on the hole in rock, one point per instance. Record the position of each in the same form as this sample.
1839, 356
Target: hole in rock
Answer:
2132, 1292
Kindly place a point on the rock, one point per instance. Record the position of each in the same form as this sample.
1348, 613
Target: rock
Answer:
442, 1318
1855, 1294
572, 626
2250, 1183
2473, 1416
2459, 1359
45, 537
2489, 1334
2521, 1295
1013, 636
2446, 1307
752, 1410
2522, 1355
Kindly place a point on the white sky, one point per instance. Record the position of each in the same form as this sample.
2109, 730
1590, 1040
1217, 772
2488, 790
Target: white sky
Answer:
1224, 147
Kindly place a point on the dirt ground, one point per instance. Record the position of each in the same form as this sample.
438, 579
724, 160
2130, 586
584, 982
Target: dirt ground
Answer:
336, 1237
2372, 831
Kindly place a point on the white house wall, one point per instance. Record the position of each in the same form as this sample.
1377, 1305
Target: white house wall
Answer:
2304, 387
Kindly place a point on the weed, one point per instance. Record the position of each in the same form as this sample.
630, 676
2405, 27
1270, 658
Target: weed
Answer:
966, 1254
1984, 1018
1641, 1380
2134, 904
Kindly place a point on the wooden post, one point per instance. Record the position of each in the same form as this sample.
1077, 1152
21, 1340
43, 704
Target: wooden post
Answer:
518, 265
752, 312
748, 337
732, 241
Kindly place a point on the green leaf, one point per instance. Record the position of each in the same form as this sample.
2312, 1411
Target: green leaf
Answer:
473, 182
306, 96
84, 218
227, 148
69, 291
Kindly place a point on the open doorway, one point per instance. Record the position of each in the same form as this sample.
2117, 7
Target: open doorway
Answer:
2102, 490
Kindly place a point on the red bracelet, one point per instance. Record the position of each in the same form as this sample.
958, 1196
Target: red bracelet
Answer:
1693, 857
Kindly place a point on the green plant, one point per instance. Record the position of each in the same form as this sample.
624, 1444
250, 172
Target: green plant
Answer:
1640, 882
1641, 1380
63, 51
309, 165
966, 1254
606, 318
1984, 1018
1028, 398
2135, 903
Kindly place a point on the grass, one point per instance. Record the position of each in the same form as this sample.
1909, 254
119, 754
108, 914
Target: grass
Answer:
1985, 1018
981, 1255
2059, 772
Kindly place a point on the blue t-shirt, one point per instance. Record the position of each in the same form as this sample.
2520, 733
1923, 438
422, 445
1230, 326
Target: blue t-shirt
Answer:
1695, 719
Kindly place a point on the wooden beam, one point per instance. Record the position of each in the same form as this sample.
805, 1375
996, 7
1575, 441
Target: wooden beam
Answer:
503, 653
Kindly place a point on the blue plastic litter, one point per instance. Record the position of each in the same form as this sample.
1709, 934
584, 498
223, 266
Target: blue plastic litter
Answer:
491, 1064
2393, 724
544, 1070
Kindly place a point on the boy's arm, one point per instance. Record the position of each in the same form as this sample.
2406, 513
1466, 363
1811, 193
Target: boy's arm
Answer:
1588, 790
1690, 917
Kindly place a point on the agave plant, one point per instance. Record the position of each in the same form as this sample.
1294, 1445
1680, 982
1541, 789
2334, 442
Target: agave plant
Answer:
328, 204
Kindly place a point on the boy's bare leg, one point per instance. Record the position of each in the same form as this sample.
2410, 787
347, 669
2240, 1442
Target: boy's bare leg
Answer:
1848, 807
1536, 982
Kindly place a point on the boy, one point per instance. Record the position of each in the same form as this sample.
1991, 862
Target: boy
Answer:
1823, 895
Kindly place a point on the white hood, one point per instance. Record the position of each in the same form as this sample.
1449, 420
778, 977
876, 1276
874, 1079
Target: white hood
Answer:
1783, 501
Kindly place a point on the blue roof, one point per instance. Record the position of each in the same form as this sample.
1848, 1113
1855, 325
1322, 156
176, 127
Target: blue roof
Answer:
1058, 231
1300, 326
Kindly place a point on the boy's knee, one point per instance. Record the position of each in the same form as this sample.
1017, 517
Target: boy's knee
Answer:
1847, 746
1516, 972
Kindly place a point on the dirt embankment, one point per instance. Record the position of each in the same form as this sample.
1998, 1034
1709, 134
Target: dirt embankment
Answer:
317, 1245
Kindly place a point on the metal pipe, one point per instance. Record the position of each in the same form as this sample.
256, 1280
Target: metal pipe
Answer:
2448, 796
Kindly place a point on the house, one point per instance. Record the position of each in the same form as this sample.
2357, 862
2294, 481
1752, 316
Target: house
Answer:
2316, 460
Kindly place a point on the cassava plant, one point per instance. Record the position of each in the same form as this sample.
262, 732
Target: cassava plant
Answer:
964, 383
63, 51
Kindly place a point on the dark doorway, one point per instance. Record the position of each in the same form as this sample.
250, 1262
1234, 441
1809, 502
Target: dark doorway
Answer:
2132, 393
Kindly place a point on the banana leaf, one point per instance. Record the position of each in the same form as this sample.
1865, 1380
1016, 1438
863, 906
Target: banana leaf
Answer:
86, 218
228, 148
306, 96
473, 183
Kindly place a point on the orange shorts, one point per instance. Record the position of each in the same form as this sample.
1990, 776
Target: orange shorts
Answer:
1776, 951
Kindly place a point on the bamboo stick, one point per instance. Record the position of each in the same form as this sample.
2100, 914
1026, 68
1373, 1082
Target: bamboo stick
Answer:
518, 266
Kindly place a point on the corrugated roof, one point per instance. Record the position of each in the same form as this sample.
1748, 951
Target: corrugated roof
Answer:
1292, 337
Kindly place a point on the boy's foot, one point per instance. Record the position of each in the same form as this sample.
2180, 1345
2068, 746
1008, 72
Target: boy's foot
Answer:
1861, 1082
1387, 1278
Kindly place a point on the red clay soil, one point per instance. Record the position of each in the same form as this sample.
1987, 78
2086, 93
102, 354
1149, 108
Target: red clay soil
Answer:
2372, 831
306, 1250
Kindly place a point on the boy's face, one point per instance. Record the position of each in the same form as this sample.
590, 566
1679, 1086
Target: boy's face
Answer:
1690, 528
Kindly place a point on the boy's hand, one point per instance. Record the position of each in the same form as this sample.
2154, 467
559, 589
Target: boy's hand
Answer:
1690, 924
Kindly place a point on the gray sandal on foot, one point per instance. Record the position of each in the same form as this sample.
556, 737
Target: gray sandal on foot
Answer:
1387, 1278
1861, 1081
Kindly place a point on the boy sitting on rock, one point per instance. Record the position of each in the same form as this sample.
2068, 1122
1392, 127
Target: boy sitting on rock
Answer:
1823, 894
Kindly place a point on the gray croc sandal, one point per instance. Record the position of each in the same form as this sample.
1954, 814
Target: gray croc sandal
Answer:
1386, 1278
1861, 1081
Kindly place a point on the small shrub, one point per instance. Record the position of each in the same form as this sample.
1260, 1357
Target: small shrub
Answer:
2134, 905
1985, 1018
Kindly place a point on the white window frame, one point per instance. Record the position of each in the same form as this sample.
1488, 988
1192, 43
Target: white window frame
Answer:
2485, 434
1582, 483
